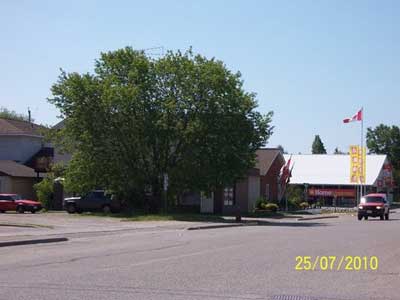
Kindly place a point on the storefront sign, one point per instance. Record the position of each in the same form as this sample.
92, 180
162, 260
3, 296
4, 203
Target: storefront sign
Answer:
331, 193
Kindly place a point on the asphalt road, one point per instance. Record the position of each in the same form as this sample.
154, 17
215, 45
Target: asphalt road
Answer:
254, 262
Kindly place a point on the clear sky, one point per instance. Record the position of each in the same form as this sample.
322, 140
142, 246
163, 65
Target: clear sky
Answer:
312, 62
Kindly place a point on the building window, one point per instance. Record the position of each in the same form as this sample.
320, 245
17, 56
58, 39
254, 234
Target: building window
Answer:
267, 192
228, 196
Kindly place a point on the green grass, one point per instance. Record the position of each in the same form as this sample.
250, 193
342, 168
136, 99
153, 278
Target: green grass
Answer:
179, 215
173, 216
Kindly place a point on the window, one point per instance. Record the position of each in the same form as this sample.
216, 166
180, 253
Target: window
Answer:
267, 191
228, 196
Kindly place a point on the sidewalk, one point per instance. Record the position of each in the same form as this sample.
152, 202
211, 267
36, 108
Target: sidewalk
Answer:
22, 227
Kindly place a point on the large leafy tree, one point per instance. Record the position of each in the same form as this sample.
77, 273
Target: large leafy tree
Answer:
318, 146
136, 119
385, 139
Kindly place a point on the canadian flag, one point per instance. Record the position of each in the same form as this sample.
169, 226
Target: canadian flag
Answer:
357, 117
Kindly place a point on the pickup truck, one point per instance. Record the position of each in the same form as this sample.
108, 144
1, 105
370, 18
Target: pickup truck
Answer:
93, 201
373, 205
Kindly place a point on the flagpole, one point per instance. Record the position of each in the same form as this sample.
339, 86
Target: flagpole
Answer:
362, 153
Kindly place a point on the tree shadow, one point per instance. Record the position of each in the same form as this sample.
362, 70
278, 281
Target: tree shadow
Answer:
291, 224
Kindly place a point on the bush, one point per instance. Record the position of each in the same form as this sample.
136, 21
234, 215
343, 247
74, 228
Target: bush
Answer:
260, 203
271, 207
293, 204
304, 205
44, 191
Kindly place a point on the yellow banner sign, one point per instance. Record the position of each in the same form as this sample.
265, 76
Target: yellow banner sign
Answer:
363, 161
357, 164
354, 164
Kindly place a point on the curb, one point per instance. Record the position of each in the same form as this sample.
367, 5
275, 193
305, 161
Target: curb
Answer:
26, 225
317, 218
215, 226
32, 242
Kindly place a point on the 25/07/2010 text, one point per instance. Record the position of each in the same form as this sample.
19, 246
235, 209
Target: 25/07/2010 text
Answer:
334, 263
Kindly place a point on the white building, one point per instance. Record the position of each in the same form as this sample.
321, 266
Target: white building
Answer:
327, 177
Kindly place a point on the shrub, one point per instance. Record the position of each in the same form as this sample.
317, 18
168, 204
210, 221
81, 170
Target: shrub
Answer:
271, 207
293, 204
44, 191
260, 203
304, 205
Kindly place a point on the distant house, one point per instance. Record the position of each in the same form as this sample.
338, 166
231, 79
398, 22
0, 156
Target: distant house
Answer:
19, 140
61, 157
24, 156
16, 178
327, 177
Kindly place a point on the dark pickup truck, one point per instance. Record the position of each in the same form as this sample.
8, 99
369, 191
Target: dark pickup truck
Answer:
92, 201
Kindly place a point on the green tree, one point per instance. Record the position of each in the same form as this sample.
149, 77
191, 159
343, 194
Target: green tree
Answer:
12, 115
385, 139
137, 118
280, 147
338, 151
317, 146
45, 188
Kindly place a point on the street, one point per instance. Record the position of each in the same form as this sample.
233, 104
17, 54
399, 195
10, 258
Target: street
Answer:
248, 262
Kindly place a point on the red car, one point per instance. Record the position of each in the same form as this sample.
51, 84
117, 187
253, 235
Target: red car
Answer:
14, 202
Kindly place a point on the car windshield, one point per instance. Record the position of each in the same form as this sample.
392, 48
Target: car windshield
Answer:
16, 197
371, 199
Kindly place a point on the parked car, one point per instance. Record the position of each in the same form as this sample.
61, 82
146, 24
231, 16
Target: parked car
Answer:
93, 201
14, 202
374, 205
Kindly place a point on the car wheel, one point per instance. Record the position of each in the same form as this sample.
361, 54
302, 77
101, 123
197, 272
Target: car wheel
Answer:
387, 216
20, 209
2, 211
71, 209
359, 218
366, 217
106, 209
33, 211
382, 217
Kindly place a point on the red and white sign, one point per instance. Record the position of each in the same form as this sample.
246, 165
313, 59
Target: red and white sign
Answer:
331, 193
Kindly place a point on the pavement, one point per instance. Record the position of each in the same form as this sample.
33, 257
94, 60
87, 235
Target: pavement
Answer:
243, 262
54, 225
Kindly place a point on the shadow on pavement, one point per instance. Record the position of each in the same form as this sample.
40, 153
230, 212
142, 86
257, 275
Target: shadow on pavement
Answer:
291, 224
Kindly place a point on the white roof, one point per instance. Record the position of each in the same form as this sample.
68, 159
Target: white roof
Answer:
326, 169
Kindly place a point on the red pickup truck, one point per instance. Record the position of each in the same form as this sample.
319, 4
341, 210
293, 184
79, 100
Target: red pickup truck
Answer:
374, 205
14, 202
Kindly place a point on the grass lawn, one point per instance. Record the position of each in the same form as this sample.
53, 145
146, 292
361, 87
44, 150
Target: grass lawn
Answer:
140, 216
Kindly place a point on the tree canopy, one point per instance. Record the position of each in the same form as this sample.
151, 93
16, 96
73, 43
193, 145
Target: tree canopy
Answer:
318, 146
136, 119
385, 139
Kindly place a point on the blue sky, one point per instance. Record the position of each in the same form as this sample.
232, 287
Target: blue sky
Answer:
312, 62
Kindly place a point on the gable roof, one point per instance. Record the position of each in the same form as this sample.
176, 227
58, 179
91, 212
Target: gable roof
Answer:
59, 125
16, 127
321, 169
265, 159
14, 169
